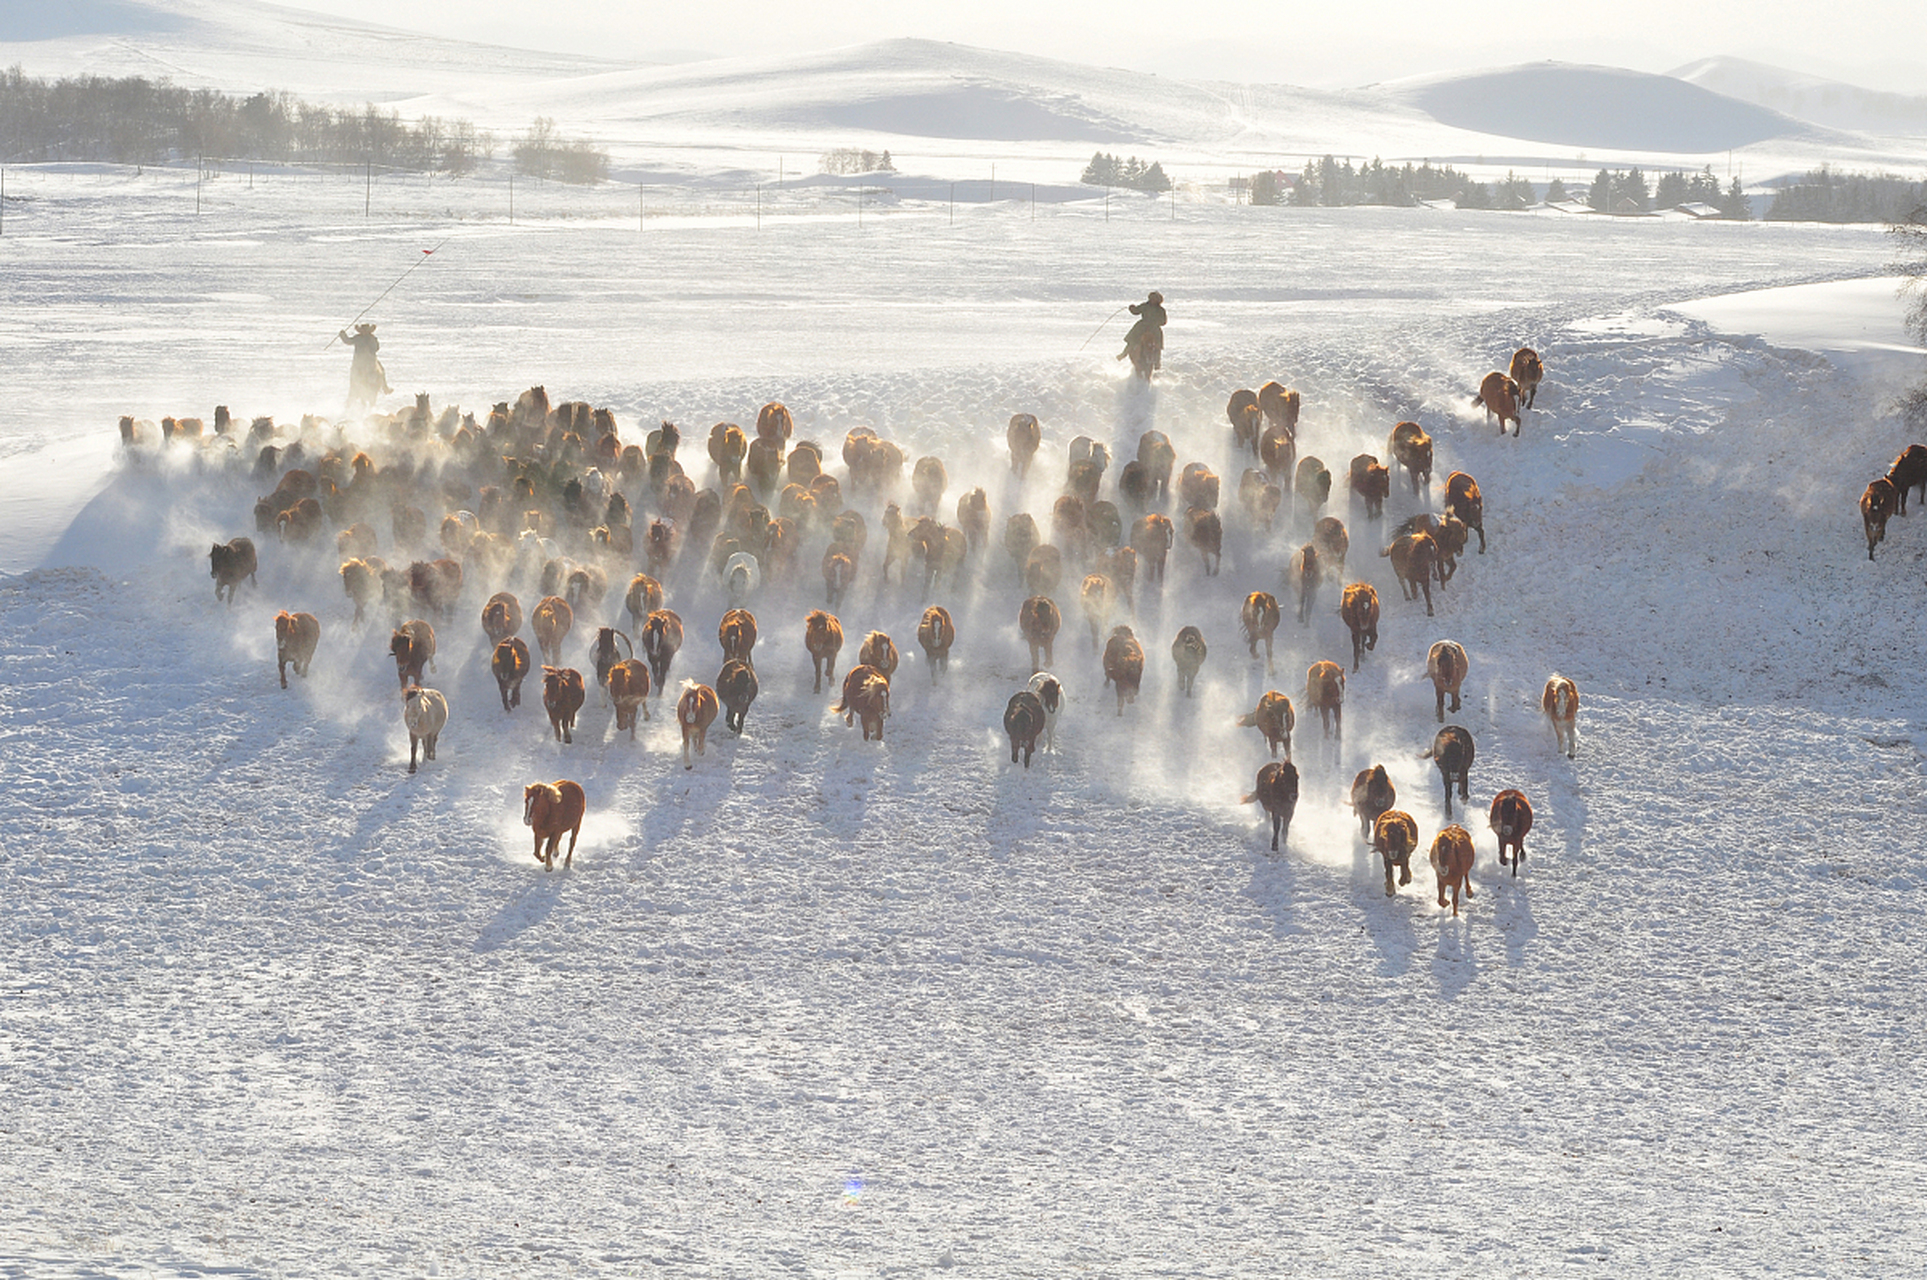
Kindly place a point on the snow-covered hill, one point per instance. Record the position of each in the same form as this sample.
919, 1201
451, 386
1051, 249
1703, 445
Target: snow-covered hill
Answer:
1597, 108
241, 46
1816, 99
953, 108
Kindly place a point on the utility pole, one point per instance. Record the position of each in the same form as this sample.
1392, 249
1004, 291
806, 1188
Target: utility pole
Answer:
367, 186
199, 169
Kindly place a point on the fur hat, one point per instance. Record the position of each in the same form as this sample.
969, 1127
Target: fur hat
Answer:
364, 328
1155, 297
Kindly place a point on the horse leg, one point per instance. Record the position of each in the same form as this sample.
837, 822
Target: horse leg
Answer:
569, 857
413, 741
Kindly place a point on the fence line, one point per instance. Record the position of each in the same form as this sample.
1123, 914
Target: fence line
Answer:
326, 191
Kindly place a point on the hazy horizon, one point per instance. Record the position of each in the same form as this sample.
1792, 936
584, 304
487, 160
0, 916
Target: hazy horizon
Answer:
1219, 40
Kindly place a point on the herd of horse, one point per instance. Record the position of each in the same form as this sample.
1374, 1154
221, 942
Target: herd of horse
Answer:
537, 496
1886, 496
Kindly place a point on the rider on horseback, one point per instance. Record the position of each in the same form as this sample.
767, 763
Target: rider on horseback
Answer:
1144, 344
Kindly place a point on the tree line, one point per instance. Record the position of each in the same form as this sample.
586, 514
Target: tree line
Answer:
852, 160
1331, 182
134, 120
1107, 170
1821, 195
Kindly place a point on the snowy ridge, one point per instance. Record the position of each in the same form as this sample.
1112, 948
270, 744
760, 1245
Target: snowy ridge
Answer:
947, 104
1811, 98
1596, 107
238, 46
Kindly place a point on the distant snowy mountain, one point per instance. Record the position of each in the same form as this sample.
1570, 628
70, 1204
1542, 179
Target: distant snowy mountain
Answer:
949, 105
1596, 107
1811, 98
238, 46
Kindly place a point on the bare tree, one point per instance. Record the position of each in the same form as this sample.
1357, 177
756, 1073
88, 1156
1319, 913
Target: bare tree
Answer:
1910, 263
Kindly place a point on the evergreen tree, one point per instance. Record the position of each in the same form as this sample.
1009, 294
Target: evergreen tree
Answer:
1601, 195
1556, 191
1306, 192
1631, 185
1735, 204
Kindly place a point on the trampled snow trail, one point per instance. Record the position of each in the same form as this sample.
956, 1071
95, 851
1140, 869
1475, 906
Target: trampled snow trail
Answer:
273, 1006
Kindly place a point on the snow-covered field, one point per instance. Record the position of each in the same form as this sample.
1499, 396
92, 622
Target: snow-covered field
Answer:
274, 1007
271, 1006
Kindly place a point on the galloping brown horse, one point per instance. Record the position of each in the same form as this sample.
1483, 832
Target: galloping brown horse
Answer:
550, 809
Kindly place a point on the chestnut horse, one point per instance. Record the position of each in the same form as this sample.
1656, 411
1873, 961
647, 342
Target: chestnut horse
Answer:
936, 633
1500, 396
295, 638
1446, 665
866, 697
1274, 718
1259, 620
1325, 690
1372, 794
1394, 836
1039, 620
549, 809
1511, 819
1124, 665
1359, 609
510, 665
695, 712
823, 637
1451, 858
